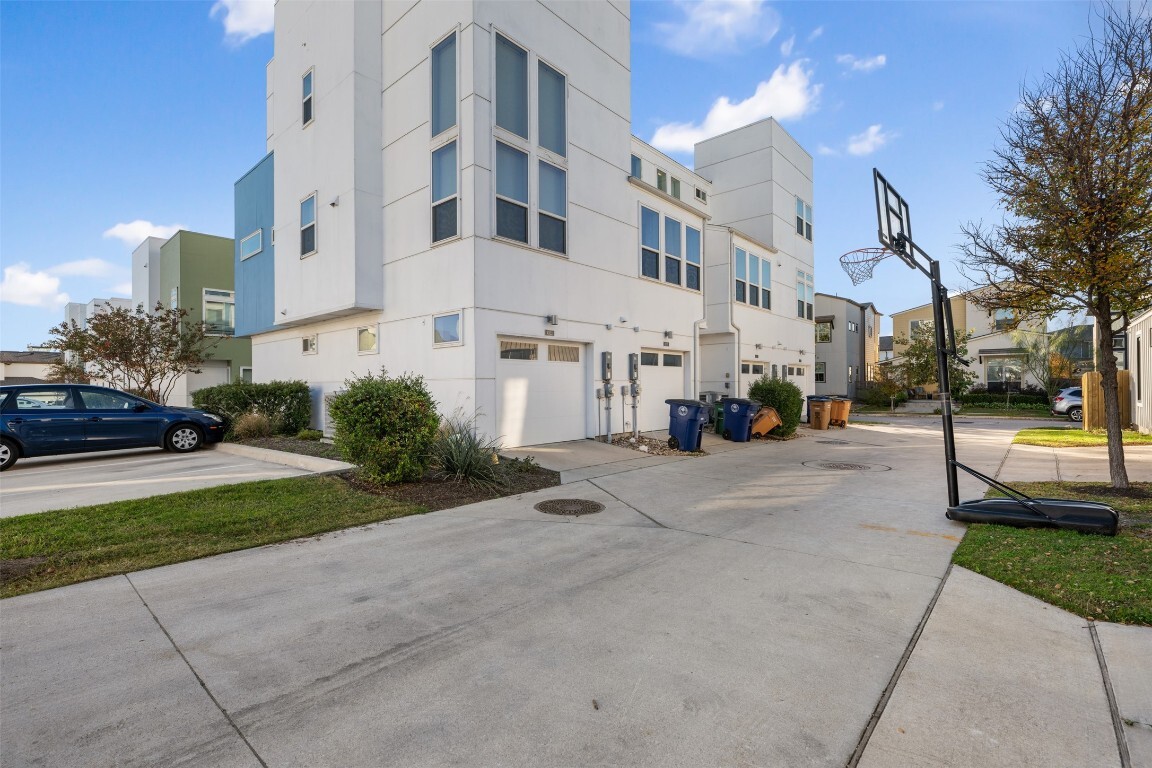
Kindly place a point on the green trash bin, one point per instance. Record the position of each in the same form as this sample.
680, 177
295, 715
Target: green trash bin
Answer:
718, 417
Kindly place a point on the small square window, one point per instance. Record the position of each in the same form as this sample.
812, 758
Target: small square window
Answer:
745, 368
446, 330
367, 342
701, 195
308, 345
758, 370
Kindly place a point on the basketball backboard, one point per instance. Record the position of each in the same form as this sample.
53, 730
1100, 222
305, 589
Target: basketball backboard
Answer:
893, 219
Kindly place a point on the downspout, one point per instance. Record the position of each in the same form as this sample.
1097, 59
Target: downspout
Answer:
732, 309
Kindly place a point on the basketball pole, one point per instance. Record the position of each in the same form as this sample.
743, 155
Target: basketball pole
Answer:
939, 296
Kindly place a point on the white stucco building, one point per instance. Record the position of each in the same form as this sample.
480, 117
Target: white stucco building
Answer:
453, 189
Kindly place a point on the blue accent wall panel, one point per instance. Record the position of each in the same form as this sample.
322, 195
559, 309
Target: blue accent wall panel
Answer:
255, 275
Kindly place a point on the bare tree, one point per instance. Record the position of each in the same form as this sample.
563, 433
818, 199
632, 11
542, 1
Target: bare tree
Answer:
1074, 175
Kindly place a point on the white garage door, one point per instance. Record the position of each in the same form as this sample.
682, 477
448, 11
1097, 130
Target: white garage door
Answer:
540, 392
661, 378
212, 373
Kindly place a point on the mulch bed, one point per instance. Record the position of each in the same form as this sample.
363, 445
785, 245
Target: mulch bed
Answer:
292, 445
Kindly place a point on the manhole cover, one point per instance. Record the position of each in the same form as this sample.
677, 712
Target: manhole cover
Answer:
833, 442
573, 507
846, 466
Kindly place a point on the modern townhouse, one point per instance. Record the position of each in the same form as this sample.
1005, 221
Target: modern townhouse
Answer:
847, 344
452, 189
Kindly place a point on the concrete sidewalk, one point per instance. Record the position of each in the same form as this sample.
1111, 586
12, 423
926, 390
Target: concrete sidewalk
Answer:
750, 607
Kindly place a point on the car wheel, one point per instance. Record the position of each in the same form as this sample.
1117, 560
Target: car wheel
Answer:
9, 453
1076, 414
183, 438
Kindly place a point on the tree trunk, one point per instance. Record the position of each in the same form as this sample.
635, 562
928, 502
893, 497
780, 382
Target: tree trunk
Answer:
1106, 365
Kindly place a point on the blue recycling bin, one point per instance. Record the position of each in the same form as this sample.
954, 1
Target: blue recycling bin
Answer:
686, 420
738, 414
808, 412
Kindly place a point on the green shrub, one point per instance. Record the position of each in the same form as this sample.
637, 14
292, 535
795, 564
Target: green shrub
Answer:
461, 453
251, 425
309, 434
286, 403
986, 400
385, 425
782, 395
879, 398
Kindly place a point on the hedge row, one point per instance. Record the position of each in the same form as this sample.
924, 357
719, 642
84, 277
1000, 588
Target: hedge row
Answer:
287, 403
992, 401
1003, 406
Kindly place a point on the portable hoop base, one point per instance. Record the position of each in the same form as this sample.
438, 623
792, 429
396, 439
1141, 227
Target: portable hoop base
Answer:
1083, 516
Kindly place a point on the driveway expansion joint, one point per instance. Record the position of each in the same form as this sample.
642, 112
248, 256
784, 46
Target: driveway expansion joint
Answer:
1113, 708
195, 674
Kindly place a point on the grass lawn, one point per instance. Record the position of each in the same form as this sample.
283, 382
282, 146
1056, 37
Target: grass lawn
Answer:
1061, 437
1099, 577
51, 549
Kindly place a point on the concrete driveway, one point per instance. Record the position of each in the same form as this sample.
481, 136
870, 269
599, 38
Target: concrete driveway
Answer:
747, 608
58, 482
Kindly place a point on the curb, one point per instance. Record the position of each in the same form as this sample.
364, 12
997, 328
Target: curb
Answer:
299, 461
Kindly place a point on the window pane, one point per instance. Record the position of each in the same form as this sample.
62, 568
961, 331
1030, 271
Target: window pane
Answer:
765, 298
308, 211
366, 340
102, 401
446, 329
511, 87
745, 368
252, 245
444, 85
637, 166
649, 263
758, 369
649, 358
553, 234
552, 109
649, 228
753, 295
671, 270
741, 289
741, 265
692, 245
511, 173
444, 172
672, 237
753, 270
661, 181
308, 239
673, 361
692, 276
511, 221
765, 272
444, 220
552, 191
799, 226
676, 188
799, 208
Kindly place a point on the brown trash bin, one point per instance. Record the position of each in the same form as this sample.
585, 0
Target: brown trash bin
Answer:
840, 409
765, 421
819, 413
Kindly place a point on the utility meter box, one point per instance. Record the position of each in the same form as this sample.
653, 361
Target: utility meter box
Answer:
606, 366
633, 367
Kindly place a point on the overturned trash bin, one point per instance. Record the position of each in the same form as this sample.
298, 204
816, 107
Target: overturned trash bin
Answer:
819, 412
738, 414
686, 420
765, 421
841, 406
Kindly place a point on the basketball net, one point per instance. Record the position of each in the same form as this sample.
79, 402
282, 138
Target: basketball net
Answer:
859, 263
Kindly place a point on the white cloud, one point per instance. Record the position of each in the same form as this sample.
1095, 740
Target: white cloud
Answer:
134, 232
867, 64
244, 19
827, 151
787, 46
815, 33
122, 289
869, 141
787, 95
719, 26
31, 289
85, 268
937, 106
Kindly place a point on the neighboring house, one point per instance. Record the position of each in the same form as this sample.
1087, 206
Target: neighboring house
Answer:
1119, 344
847, 344
996, 358
194, 271
885, 349
29, 367
1140, 356
461, 197
80, 312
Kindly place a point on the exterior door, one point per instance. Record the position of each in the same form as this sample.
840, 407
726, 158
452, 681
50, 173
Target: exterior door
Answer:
540, 391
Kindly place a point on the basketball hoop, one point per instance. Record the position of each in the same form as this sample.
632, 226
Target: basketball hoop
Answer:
860, 262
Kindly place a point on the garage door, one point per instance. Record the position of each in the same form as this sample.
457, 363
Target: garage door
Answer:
212, 373
540, 392
661, 377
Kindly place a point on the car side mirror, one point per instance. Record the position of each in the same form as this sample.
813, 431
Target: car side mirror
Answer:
140, 407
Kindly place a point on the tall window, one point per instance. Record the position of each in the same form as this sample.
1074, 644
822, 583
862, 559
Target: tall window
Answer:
649, 243
511, 87
637, 166
821, 368
823, 332
552, 110
753, 279
661, 180
672, 251
805, 294
675, 188
803, 219
219, 312
511, 193
741, 275
444, 196
308, 225
306, 102
444, 85
553, 208
692, 258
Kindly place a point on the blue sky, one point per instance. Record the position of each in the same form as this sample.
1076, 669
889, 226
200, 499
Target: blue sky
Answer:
120, 120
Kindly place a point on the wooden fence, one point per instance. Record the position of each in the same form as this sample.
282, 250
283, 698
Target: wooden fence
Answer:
1094, 399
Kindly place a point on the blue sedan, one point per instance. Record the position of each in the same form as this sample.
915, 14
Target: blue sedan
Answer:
51, 419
